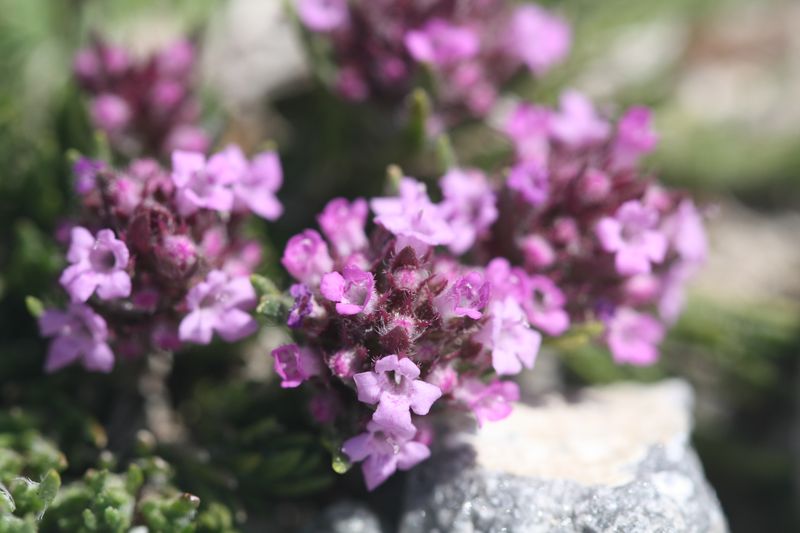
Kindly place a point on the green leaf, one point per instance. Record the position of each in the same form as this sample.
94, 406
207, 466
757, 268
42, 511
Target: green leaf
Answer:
445, 154
419, 113
48, 488
35, 306
340, 463
264, 285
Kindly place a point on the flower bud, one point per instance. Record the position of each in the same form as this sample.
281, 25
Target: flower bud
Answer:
176, 258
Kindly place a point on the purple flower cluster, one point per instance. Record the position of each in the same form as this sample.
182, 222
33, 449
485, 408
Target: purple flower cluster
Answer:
157, 259
470, 47
388, 326
145, 107
591, 237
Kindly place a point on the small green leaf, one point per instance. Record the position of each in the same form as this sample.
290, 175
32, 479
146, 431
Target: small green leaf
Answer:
419, 112
35, 306
48, 488
264, 285
445, 153
134, 478
340, 463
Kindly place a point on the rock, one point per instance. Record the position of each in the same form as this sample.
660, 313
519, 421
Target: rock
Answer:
616, 459
345, 517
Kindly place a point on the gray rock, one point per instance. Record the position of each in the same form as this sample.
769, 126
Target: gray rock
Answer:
345, 517
617, 459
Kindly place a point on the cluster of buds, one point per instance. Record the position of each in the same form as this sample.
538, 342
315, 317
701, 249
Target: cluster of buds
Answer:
470, 47
388, 325
156, 257
589, 235
144, 106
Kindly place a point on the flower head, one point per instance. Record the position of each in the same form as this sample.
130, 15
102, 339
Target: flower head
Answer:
383, 453
635, 137
323, 15
490, 402
256, 186
539, 38
577, 124
198, 186
509, 338
545, 306
412, 217
531, 180
633, 337
306, 257
632, 236
343, 223
219, 304
441, 43
469, 206
295, 364
353, 291
394, 386
98, 264
466, 297
78, 334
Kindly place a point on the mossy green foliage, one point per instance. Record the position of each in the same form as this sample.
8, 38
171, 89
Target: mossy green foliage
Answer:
33, 499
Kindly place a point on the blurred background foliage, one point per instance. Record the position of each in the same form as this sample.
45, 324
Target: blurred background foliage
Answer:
723, 77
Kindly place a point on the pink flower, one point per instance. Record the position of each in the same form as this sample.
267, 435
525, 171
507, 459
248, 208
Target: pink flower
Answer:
383, 453
633, 337
412, 217
343, 223
528, 127
577, 123
673, 295
97, 264
545, 307
306, 257
353, 292
509, 337
632, 235
469, 206
323, 15
685, 230
537, 252
395, 388
489, 403
441, 43
79, 333
110, 113
530, 179
199, 187
506, 281
295, 364
466, 297
177, 59
86, 171
539, 38
304, 305
219, 304
257, 185
86, 65
635, 137
188, 138
593, 186
167, 94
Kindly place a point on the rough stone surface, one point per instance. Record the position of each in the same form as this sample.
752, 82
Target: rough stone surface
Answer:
616, 459
345, 517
